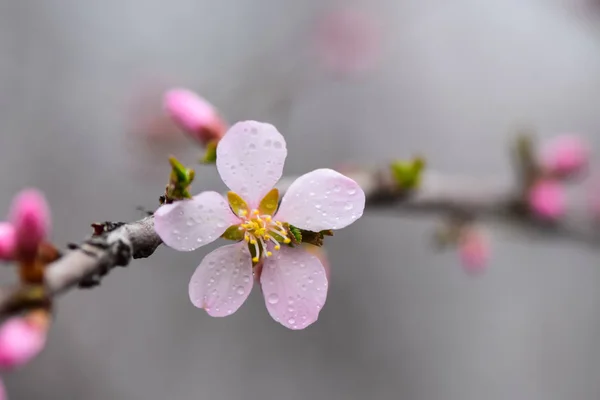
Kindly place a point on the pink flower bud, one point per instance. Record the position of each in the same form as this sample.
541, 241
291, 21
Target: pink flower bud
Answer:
564, 156
348, 41
31, 218
8, 241
547, 199
194, 115
474, 251
20, 341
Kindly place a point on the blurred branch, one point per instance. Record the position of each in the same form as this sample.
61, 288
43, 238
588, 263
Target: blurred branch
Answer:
116, 244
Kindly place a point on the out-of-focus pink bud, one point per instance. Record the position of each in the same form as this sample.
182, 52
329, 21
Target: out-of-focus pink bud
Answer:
348, 41
30, 217
565, 156
20, 342
194, 115
547, 199
474, 251
8, 241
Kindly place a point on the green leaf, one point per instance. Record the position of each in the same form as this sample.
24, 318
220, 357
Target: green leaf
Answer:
179, 181
210, 155
408, 174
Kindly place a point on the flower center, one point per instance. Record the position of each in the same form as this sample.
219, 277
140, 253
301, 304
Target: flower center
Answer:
260, 230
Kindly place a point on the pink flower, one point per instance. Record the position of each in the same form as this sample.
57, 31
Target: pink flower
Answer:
250, 160
8, 241
564, 156
474, 251
20, 341
194, 115
348, 41
30, 217
547, 199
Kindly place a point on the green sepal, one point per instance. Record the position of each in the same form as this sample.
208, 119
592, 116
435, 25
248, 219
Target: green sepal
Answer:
295, 234
268, 205
408, 174
236, 203
233, 233
210, 154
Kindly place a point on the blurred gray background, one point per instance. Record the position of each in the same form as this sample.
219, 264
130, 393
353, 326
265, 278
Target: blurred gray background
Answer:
453, 80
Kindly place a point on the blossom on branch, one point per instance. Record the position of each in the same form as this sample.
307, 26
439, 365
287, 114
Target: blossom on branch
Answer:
565, 156
250, 160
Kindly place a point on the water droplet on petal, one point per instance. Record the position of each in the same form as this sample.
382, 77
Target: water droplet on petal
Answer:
199, 240
277, 144
273, 298
268, 143
318, 206
214, 292
311, 194
348, 206
337, 188
291, 321
252, 146
246, 278
351, 191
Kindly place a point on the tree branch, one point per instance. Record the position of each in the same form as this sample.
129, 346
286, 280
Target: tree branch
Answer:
438, 193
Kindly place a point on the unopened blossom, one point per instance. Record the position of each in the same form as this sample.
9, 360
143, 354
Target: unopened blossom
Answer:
474, 251
30, 217
547, 199
348, 41
8, 241
250, 160
20, 341
564, 156
194, 115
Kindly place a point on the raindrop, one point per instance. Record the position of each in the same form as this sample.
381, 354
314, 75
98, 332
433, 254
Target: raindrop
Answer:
291, 301
175, 232
337, 188
253, 131
268, 143
290, 309
311, 194
291, 321
200, 206
221, 224
246, 278
302, 265
273, 298
348, 206
277, 145
303, 287
310, 279
214, 292
189, 222
351, 191
318, 206
199, 240
252, 146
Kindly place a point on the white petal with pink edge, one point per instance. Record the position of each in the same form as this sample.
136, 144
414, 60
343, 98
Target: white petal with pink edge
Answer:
294, 286
188, 224
322, 199
223, 280
250, 159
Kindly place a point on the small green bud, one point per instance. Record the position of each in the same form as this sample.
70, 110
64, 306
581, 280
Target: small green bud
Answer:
408, 174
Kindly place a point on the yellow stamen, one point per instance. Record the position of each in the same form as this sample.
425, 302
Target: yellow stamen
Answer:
277, 247
269, 254
255, 259
287, 240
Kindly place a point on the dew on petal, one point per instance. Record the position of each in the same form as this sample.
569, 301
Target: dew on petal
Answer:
348, 206
291, 321
273, 298
277, 144
268, 143
351, 191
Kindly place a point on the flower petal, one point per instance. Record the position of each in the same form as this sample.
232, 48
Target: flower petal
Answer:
322, 199
188, 224
250, 159
223, 280
294, 285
